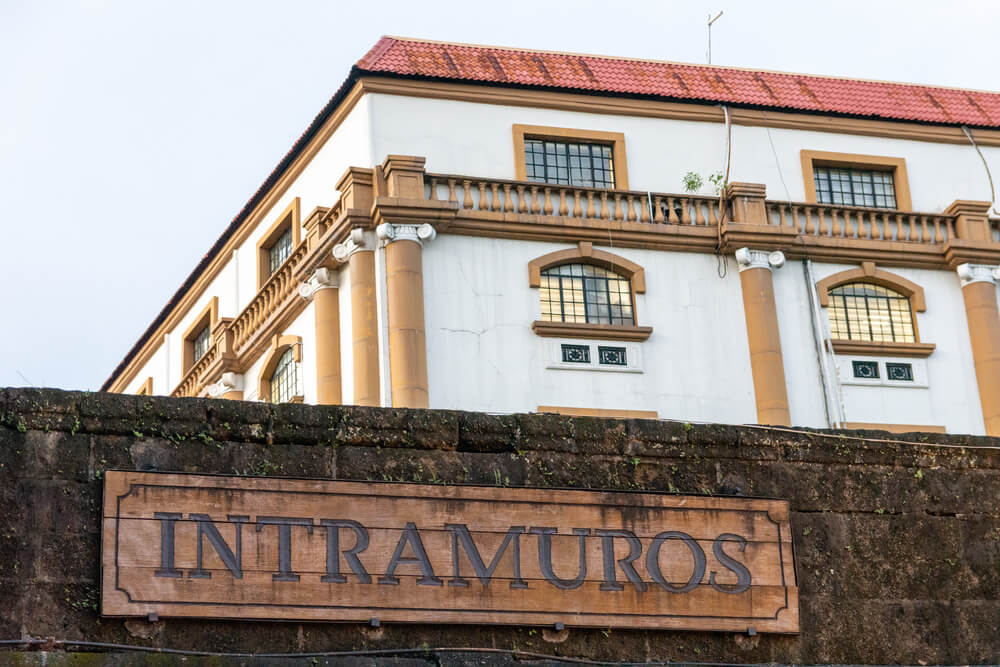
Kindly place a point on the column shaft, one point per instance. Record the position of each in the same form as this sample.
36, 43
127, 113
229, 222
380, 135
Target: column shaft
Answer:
364, 328
766, 363
984, 333
326, 305
407, 339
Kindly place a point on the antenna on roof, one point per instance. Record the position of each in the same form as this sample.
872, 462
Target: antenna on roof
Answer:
711, 20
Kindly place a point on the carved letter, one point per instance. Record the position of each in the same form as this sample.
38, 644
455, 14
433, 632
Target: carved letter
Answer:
460, 534
284, 524
167, 568
653, 561
545, 557
333, 574
742, 573
608, 547
412, 537
207, 529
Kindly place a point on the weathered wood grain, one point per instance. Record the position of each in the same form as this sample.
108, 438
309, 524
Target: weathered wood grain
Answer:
718, 563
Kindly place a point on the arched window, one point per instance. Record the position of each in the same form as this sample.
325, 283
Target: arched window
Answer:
285, 378
870, 312
873, 312
587, 294
280, 379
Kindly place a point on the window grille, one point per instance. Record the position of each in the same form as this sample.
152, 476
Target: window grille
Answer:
285, 378
562, 163
201, 342
855, 187
586, 293
863, 311
899, 372
280, 251
866, 370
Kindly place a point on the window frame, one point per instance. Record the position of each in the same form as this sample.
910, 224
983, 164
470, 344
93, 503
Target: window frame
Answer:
207, 318
563, 302
279, 345
615, 139
290, 218
868, 273
897, 165
146, 388
585, 253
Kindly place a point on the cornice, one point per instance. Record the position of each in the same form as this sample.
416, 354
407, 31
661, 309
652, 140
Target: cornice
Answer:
693, 111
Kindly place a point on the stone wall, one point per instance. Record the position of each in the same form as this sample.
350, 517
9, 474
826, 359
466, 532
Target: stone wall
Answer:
897, 544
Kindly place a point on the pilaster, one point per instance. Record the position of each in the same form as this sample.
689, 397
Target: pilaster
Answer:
405, 300
358, 253
980, 295
763, 337
322, 289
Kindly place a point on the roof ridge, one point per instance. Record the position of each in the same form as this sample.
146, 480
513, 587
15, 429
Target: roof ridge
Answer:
388, 39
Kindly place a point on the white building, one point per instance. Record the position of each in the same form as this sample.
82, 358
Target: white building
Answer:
420, 246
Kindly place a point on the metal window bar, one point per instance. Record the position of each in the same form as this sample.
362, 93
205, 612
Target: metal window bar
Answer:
201, 343
284, 380
605, 297
564, 163
865, 311
280, 251
855, 187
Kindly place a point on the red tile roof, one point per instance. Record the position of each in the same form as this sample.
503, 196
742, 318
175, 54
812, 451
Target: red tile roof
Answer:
676, 81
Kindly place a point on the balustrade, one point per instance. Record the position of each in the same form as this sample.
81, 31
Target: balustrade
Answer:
854, 222
272, 294
528, 198
193, 380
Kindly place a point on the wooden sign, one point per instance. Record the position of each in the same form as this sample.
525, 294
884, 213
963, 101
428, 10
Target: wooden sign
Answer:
284, 549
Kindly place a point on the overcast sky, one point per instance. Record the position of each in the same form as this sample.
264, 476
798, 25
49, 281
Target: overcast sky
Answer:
131, 132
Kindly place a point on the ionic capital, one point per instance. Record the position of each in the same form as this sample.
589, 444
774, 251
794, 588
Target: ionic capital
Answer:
356, 242
390, 233
227, 383
322, 278
977, 273
759, 259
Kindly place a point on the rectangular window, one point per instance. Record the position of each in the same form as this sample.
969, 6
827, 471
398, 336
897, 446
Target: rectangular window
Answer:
850, 179
570, 157
280, 251
855, 187
866, 370
201, 343
278, 243
576, 354
611, 356
569, 163
899, 372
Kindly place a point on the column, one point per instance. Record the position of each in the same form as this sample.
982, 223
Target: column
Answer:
405, 300
322, 289
358, 252
979, 292
766, 364
229, 386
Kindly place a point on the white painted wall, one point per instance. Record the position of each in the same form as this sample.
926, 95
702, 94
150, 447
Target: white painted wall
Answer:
483, 355
475, 139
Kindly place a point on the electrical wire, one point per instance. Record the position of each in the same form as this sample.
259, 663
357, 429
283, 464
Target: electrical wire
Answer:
721, 260
993, 192
514, 653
